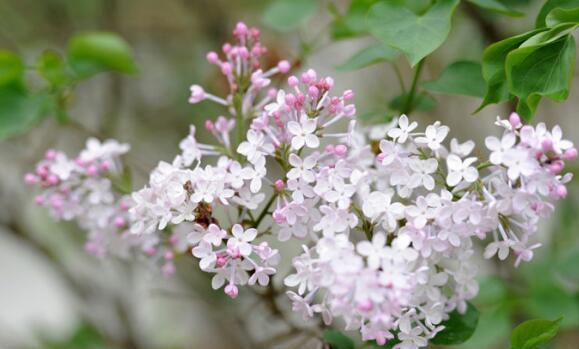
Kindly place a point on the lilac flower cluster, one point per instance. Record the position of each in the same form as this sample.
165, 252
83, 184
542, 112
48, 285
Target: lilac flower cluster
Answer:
81, 189
398, 217
388, 216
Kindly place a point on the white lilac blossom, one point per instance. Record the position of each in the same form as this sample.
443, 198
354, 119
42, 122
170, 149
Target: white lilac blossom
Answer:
388, 216
81, 189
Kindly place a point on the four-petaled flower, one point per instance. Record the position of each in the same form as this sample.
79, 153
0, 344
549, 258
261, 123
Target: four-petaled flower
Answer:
241, 239
401, 133
460, 169
303, 133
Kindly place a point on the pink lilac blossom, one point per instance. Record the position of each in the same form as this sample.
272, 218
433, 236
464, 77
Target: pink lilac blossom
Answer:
388, 216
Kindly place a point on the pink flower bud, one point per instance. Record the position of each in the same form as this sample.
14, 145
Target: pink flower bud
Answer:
30, 179
327, 83
169, 255
293, 81
226, 68
120, 222
221, 261
168, 269
283, 66
570, 154
561, 191
381, 157
39, 200
124, 205
209, 125
50, 155
52, 180
365, 305
240, 29
150, 251
300, 98
279, 184
350, 110
556, 168
42, 171
197, 94
91, 248
271, 93
105, 166
290, 100
341, 150
231, 290
309, 77
348, 94
330, 148
243, 52
212, 58
173, 239
515, 120
255, 33
56, 203
92, 170
226, 48
313, 92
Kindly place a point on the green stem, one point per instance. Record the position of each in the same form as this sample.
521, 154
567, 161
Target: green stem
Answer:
265, 209
408, 105
237, 105
398, 76
484, 165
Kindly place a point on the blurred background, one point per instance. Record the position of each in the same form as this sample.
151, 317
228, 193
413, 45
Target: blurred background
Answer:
53, 295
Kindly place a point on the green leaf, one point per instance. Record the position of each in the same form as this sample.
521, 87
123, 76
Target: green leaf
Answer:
338, 340
561, 15
492, 331
368, 56
546, 298
540, 70
95, 52
493, 68
461, 78
496, 6
493, 292
550, 301
458, 328
375, 117
530, 334
353, 23
11, 67
51, 67
286, 15
19, 110
549, 6
421, 102
567, 268
389, 344
550, 35
415, 35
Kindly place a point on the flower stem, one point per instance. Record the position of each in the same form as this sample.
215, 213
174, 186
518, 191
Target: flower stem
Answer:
398, 76
409, 102
265, 210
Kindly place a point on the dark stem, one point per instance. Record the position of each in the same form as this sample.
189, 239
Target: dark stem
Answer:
265, 210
